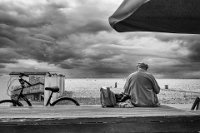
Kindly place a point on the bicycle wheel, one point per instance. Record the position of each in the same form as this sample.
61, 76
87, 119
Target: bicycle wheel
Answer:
65, 101
10, 103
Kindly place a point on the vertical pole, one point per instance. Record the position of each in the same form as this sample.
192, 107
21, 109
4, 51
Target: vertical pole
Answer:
166, 87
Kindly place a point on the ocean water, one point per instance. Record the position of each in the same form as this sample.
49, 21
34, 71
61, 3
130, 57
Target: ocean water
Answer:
90, 87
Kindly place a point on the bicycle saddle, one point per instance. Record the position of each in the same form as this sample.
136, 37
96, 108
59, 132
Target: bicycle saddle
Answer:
53, 89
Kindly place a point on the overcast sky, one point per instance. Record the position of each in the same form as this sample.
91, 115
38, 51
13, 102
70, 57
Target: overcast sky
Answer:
74, 37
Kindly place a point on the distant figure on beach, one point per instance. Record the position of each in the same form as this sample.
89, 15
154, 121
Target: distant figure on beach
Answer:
115, 84
142, 87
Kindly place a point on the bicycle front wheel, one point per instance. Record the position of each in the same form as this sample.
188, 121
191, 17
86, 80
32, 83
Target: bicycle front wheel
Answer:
65, 101
10, 103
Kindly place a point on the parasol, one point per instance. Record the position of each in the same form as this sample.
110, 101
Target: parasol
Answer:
173, 16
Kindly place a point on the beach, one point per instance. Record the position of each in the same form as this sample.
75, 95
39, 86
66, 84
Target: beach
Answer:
86, 90
180, 91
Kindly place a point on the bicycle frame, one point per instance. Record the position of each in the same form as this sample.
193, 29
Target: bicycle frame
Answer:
49, 100
24, 98
22, 82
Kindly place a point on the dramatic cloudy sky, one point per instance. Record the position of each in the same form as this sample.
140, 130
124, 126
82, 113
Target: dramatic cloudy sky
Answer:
74, 37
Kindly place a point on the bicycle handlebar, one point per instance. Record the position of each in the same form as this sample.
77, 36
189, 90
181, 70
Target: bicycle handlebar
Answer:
23, 80
22, 74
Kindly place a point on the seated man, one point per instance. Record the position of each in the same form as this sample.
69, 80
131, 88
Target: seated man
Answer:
142, 87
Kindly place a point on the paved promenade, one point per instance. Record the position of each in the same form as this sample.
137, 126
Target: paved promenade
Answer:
89, 119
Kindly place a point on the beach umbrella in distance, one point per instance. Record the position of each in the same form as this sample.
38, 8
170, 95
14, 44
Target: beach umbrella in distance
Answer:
173, 16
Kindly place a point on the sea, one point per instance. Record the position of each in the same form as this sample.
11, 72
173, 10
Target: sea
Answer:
89, 87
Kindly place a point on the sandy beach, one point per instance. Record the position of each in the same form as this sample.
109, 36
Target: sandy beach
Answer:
86, 91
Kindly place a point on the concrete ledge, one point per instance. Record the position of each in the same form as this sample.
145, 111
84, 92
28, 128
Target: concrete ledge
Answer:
90, 119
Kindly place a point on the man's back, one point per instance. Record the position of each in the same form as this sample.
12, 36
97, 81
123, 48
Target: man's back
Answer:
143, 88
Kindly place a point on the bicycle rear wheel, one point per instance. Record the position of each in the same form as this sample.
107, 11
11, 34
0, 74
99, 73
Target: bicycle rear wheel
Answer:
10, 103
65, 101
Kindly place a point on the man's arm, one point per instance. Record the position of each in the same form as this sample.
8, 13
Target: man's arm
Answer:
127, 84
155, 85
156, 88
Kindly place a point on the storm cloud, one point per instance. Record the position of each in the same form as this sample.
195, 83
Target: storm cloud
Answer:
74, 38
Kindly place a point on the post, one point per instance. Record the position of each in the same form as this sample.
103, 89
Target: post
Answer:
166, 86
115, 84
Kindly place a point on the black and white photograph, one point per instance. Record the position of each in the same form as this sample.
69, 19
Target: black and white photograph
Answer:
99, 66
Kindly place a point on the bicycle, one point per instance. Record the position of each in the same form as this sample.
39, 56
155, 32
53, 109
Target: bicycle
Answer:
23, 83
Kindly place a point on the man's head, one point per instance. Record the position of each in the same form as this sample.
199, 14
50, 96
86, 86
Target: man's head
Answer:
142, 65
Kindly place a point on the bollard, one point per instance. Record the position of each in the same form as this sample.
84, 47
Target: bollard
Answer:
166, 86
115, 84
